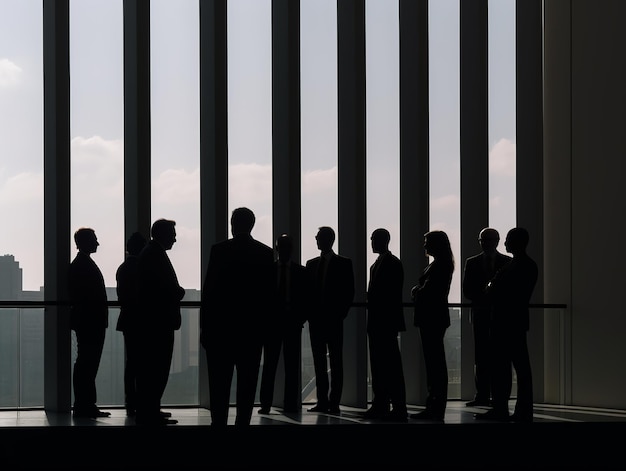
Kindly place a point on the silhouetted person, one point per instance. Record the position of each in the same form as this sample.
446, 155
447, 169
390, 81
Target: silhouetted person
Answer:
237, 301
385, 319
89, 320
432, 316
478, 270
159, 296
331, 279
285, 330
510, 291
128, 320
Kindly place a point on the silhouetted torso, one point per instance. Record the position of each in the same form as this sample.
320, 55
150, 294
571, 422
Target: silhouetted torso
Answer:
237, 300
385, 319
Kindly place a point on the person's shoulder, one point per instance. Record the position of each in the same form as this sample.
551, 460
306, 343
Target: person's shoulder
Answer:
473, 258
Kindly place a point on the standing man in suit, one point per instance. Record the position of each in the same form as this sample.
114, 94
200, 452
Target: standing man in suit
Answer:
285, 330
478, 271
385, 320
89, 318
510, 291
128, 320
159, 296
237, 298
331, 279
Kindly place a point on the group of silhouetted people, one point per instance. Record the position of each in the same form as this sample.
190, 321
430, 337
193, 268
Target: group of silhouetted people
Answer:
254, 306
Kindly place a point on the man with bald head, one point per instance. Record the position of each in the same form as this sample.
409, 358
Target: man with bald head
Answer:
478, 271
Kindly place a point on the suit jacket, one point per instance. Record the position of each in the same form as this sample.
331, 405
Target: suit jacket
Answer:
385, 312
476, 277
238, 293
431, 295
335, 299
510, 291
88, 295
291, 312
158, 291
126, 278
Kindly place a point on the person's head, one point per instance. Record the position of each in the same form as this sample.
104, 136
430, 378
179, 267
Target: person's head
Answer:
325, 238
380, 240
242, 221
488, 240
135, 243
437, 245
284, 247
86, 240
164, 232
516, 241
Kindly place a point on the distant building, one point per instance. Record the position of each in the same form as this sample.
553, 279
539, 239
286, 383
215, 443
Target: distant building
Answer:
10, 279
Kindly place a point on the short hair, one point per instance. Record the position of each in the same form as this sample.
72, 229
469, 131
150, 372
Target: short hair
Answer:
83, 235
242, 220
327, 232
518, 237
381, 234
135, 243
162, 228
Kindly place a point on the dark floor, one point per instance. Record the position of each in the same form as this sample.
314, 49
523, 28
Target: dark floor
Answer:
560, 437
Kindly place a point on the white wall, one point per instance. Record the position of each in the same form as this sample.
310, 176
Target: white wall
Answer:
585, 153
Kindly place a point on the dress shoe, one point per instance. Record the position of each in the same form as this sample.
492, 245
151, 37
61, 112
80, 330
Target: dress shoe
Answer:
478, 403
521, 418
493, 414
427, 415
334, 410
90, 413
318, 408
157, 420
165, 414
397, 416
376, 413
264, 410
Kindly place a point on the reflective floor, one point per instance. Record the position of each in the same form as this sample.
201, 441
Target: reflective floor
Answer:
456, 413
560, 437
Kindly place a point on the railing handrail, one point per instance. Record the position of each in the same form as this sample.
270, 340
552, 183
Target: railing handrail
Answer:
43, 304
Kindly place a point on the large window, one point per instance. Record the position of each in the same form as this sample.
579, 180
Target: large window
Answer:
445, 212
97, 159
175, 170
97, 152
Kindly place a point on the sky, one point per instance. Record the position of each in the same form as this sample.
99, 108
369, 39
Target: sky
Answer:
97, 130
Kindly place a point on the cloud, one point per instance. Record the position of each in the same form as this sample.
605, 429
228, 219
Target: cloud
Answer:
9, 73
319, 181
250, 185
97, 162
21, 188
177, 186
446, 203
502, 159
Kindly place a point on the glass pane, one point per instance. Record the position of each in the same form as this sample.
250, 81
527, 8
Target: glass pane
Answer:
318, 62
21, 193
444, 157
250, 116
250, 111
175, 145
383, 124
97, 158
502, 116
